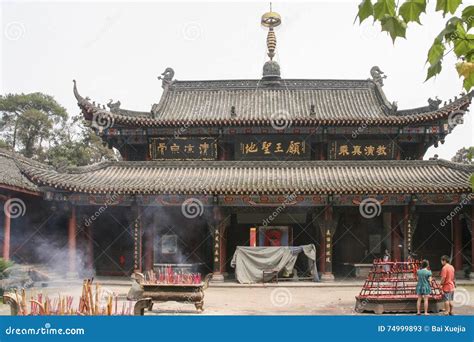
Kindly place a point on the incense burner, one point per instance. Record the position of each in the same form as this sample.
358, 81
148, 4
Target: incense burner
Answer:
148, 294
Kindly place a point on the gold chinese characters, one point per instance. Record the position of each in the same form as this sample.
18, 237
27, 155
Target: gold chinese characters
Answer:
201, 148
265, 147
362, 150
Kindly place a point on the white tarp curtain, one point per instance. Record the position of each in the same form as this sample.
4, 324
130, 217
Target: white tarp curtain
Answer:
250, 262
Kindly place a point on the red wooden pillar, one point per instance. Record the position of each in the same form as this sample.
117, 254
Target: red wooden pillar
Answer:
72, 242
223, 152
89, 247
149, 248
406, 232
457, 242
325, 222
221, 221
223, 260
322, 252
6, 232
253, 237
327, 228
322, 151
395, 236
216, 254
137, 238
328, 232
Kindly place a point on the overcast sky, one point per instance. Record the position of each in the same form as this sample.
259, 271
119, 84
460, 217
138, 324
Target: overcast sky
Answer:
117, 49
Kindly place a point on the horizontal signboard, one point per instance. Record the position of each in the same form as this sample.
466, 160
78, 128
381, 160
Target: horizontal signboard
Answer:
361, 150
183, 148
271, 147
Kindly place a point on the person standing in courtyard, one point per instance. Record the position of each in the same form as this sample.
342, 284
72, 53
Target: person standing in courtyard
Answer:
423, 287
447, 284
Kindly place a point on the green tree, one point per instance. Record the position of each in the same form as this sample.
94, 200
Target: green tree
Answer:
38, 127
394, 18
29, 120
464, 155
83, 149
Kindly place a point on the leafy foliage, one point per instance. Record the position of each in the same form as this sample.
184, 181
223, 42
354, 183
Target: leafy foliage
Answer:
366, 9
468, 16
464, 155
27, 120
87, 149
4, 264
38, 127
412, 9
383, 8
395, 26
455, 36
447, 6
470, 153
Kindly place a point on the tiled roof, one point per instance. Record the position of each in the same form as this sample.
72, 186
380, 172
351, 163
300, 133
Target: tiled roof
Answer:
249, 102
293, 99
10, 173
230, 177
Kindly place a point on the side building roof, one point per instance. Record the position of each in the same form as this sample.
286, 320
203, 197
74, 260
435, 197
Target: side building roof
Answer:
11, 175
229, 177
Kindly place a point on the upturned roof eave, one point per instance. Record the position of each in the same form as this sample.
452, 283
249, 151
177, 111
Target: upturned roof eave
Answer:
152, 118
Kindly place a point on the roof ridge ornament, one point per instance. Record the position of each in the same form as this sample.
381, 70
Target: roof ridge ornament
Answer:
270, 20
434, 104
167, 77
114, 106
78, 96
377, 75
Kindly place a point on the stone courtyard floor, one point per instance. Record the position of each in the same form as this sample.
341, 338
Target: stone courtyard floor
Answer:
274, 299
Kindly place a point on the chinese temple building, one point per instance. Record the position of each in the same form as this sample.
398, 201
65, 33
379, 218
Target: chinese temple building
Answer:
264, 162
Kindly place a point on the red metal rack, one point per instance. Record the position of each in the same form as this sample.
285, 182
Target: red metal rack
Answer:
391, 287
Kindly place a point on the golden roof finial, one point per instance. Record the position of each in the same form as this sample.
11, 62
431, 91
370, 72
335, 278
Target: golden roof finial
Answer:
271, 20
